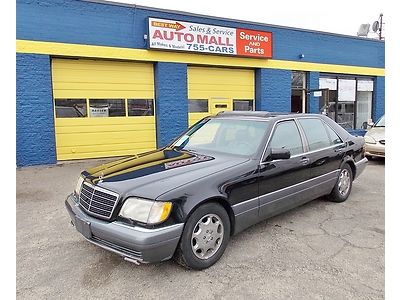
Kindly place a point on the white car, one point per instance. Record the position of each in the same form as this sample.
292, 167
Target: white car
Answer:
375, 139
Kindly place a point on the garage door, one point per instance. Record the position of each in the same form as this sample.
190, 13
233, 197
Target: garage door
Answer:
103, 108
211, 90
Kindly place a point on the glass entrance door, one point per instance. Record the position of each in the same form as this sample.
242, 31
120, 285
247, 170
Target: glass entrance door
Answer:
298, 97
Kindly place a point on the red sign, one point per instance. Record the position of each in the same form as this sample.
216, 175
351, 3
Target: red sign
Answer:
254, 43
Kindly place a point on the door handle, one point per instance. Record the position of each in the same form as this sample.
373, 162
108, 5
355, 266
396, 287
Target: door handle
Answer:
305, 161
339, 150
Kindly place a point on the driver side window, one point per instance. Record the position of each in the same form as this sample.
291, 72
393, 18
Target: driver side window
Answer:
287, 136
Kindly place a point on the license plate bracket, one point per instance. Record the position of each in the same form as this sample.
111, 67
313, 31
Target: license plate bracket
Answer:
83, 227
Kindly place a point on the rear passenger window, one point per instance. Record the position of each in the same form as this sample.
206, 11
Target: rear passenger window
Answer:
287, 136
316, 134
335, 139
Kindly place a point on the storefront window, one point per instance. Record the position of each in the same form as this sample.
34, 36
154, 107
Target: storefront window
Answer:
349, 100
70, 108
198, 105
140, 107
364, 101
106, 108
243, 105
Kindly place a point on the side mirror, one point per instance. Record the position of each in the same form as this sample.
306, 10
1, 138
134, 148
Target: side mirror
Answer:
366, 125
278, 153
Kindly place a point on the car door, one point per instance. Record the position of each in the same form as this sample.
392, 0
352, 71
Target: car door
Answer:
280, 180
325, 151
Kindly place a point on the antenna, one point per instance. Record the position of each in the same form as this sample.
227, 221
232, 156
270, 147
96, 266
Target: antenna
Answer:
377, 27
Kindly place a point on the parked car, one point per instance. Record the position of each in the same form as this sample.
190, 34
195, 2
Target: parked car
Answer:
224, 174
375, 139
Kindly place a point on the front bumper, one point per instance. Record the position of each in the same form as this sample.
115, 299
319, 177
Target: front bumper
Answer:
133, 243
377, 150
360, 166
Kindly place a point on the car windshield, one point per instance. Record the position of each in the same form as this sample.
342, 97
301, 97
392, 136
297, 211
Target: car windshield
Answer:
230, 136
381, 122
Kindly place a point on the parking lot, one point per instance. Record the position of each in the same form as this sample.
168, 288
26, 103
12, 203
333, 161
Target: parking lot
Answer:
320, 250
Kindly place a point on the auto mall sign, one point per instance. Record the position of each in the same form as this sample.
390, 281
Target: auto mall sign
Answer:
194, 37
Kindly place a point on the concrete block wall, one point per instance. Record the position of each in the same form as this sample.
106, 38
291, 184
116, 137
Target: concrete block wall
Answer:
273, 90
378, 108
171, 101
34, 108
313, 84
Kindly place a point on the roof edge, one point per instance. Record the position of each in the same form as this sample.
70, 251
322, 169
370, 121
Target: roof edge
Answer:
190, 14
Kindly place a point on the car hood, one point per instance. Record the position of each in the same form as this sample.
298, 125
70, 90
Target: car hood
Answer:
154, 173
377, 133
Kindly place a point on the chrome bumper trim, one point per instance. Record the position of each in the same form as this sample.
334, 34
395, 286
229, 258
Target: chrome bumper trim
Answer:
360, 166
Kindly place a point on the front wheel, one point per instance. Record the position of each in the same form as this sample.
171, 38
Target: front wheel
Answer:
204, 238
343, 186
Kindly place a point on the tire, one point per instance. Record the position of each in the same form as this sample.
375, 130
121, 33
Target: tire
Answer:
215, 232
343, 186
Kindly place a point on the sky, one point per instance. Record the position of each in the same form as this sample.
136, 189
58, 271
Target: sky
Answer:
336, 16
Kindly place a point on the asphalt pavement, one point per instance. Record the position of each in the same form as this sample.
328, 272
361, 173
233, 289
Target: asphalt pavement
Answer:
321, 250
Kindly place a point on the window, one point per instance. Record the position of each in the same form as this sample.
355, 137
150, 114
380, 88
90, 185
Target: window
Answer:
106, 108
381, 122
206, 135
243, 105
316, 134
238, 137
298, 80
364, 101
287, 136
140, 107
70, 108
198, 105
335, 139
350, 99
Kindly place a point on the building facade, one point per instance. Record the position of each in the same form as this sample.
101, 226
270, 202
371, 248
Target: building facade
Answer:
100, 79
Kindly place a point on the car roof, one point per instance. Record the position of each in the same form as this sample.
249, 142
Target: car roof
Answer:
262, 114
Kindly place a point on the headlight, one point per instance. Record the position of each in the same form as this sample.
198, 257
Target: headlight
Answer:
79, 185
145, 211
369, 139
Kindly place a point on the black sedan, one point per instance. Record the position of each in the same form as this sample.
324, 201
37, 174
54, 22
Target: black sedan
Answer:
224, 174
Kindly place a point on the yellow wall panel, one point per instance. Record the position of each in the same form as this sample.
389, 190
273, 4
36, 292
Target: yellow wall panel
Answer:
213, 84
88, 137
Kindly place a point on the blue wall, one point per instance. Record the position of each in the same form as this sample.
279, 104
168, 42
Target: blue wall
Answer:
72, 21
273, 90
35, 119
379, 98
171, 101
313, 84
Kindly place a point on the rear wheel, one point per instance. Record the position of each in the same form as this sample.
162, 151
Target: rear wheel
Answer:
343, 186
204, 238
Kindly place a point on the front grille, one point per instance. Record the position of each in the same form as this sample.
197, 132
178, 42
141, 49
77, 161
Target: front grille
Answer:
97, 201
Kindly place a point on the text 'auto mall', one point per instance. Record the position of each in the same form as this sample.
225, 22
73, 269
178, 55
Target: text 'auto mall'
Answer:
100, 79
